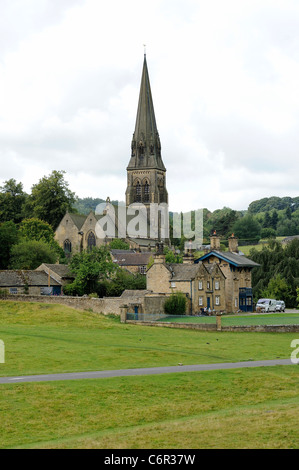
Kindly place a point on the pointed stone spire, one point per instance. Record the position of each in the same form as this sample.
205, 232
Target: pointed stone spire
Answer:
146, 146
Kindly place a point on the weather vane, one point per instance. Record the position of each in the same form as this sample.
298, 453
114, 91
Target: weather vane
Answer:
144, 45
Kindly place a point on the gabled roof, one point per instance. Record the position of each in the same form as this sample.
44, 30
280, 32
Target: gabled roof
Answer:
182, 272
232, 258
132, 259
78, 219
19, 278
62, 270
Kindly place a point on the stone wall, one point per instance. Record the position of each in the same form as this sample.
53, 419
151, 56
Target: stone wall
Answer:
105, 305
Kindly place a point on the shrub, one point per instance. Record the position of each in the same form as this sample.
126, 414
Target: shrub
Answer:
175, 304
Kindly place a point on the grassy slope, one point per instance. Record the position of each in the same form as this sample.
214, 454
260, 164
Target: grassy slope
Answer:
242, 408
43, 338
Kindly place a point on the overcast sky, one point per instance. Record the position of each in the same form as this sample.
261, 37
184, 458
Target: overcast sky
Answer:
224, 76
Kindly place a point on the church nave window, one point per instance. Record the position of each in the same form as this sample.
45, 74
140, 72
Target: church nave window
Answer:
91, 241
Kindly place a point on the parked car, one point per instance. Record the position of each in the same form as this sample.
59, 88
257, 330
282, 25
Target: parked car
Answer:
280, 306
266, 305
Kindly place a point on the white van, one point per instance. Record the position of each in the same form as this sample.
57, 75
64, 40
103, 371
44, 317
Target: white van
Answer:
266, 305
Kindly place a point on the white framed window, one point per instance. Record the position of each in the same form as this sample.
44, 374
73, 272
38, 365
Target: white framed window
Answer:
217, 300
217, 285
142, 269
13, 290
200, 301
199, 285
208, 285
172, 284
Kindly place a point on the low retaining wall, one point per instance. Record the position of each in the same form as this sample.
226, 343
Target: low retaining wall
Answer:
187, 326
215, 327
104, 305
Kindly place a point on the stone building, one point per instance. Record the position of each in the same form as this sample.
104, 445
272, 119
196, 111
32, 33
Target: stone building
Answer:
219, 280
237, 271
132, 261
146, 185
204, 285
29, 282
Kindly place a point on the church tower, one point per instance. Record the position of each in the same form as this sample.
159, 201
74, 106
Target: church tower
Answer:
146, 173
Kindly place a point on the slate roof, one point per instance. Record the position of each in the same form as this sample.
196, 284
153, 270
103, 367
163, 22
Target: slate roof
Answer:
78, 219
62, 270
15, 278
232, 258
182, 272
128, 258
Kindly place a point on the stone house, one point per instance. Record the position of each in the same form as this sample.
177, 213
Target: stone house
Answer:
132, 261
59, 272
219, 280
203, 285
29, 282
237, 270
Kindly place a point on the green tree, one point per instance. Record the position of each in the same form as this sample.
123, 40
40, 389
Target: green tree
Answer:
90, 268
274, 260
8, 238
277, 288
247, 229
274, 219
31, 254
175, 304
12, 199
50, 199
118, 244
121, 281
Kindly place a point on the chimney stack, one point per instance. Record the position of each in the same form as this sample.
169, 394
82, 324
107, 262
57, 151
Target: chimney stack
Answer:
215, 241
233, 244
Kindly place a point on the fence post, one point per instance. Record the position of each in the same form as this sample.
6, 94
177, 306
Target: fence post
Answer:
218, 321
123, 313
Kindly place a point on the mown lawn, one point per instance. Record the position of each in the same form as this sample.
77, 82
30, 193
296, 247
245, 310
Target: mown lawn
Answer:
238, 408
240, 320
241, 408
41, 338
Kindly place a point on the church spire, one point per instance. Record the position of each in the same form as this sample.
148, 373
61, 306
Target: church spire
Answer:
146, 173
146, 146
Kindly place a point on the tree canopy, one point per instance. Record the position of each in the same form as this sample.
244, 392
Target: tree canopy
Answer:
50, 199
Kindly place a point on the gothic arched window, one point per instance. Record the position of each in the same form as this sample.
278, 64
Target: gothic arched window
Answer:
91, 241
67, 247
138, 192
146, 192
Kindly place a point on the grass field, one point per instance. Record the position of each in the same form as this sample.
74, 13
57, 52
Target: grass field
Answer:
240, 408
240, 320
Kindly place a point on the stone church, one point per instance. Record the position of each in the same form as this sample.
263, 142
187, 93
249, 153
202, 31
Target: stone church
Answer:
146, 186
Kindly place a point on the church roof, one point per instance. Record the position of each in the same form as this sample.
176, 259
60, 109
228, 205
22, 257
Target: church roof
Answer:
146, 133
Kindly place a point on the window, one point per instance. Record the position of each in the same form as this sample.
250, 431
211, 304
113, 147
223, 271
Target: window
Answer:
217, 285
208, 285
199, 285
138, 192
91, 241
146, 192
200, 301
217, 300
67, 247
172, 284
13, 290
142, 269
